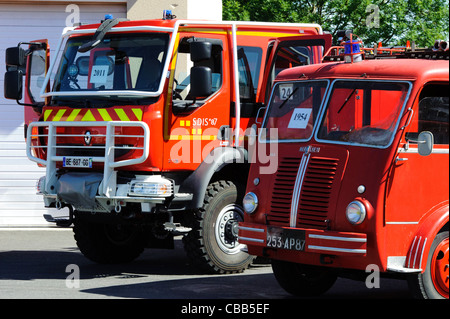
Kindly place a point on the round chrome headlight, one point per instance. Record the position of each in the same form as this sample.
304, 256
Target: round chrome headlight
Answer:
250, 203
356, 212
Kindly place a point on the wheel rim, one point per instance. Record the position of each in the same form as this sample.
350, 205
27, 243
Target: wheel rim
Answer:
119, 234
439, 268
226, 229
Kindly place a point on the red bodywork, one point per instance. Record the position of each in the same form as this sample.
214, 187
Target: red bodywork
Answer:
405, 194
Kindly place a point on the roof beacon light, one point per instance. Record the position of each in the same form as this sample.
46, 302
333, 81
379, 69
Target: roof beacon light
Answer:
352, 50
108, 16
167, 15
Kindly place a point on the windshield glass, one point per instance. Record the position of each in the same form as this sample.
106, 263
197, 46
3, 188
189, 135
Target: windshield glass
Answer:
293, 110
119, 62
363, 112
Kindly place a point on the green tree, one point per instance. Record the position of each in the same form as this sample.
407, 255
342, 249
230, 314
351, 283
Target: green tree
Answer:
392, 22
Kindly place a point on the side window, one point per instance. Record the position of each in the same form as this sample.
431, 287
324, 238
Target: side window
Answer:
184, 65
290, 54
432, 114
249, 66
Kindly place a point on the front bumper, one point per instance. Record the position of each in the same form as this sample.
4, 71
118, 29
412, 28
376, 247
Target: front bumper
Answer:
298, 240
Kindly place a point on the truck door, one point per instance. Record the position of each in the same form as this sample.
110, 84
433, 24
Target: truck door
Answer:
416, 182
38, 59
289, 52
198, 108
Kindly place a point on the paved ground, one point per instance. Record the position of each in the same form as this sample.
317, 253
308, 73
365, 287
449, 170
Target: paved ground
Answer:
33, 264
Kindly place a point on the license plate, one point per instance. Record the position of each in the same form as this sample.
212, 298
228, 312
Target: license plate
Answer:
80, 162
291, 239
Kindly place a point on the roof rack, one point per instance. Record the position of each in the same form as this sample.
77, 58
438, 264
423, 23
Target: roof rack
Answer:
439, 51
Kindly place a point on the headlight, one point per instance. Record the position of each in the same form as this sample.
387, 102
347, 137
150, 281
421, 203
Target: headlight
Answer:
155, 186
250, 202
356, 212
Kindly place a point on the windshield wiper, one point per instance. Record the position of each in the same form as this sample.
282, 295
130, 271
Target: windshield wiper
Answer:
287, 99
106, 26
346, 100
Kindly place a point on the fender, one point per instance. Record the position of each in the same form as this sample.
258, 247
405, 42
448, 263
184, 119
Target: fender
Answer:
429, 226
199, 180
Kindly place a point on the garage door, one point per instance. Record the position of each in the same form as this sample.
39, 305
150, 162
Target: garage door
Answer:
19, 204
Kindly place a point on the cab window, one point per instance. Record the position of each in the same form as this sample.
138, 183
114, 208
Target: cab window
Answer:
181, 94
432, 114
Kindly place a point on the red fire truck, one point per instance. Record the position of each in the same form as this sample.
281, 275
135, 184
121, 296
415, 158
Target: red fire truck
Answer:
363, 173
143, 128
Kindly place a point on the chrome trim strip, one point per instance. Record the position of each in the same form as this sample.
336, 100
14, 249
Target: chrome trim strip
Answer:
297, 188
257, 230
256, 240
350, 239
423, 249
413, 150
402, 223
344, 250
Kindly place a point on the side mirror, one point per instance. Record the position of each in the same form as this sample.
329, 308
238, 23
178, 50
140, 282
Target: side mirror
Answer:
13, 85
425, 143
15, 56
201, 81
200, 51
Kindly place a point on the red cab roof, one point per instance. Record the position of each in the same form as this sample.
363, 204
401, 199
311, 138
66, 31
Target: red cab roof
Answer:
393, 69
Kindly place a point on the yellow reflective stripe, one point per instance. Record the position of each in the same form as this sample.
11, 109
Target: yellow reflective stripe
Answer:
73, 115
88, 117
122, 115
192, 137
47, 114
138, 113
59, 115
104, 114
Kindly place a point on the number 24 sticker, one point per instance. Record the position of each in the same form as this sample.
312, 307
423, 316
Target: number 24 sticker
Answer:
286, 91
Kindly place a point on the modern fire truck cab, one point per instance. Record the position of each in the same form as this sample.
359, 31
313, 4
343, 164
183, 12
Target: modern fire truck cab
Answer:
362, 178
144, 128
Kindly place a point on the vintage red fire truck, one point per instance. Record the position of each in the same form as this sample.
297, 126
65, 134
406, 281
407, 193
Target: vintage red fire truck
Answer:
143, 127
363, 173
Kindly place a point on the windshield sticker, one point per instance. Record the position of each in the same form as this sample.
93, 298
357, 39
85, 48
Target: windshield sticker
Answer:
300, 118
286, 91
99, 74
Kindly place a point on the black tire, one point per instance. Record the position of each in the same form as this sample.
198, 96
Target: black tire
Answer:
422, 285
220, 214
303, 280
108, 243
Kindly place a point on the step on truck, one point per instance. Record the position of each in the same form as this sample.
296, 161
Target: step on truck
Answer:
362, 184
145, 128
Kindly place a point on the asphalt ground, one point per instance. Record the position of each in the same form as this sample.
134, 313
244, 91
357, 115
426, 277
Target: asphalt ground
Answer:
45, 263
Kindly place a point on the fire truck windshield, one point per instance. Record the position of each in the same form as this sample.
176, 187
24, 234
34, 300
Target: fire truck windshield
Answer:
363, 112
293, 110
122, 65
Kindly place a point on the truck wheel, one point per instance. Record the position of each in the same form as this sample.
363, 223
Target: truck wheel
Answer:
433, 283
108, 243
212, 243
303, 280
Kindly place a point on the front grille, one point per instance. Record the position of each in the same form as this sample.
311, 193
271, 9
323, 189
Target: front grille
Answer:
283, 188
316, 192
314, 195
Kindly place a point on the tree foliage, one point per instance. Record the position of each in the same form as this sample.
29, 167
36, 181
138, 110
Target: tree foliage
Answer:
392, 22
